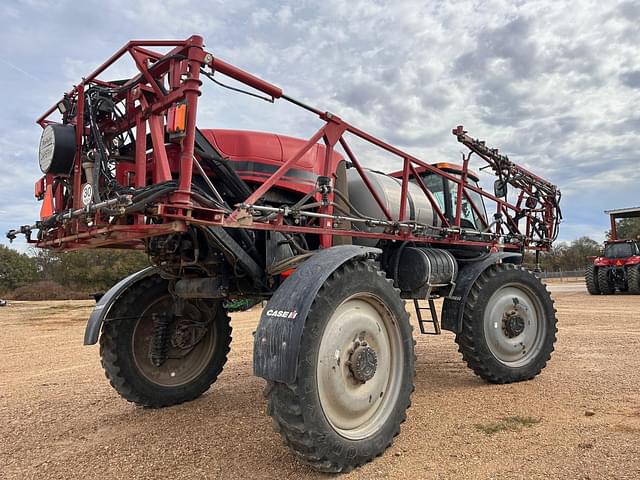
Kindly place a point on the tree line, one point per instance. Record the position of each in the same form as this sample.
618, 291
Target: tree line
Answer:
575, 255
84, 271
565, 257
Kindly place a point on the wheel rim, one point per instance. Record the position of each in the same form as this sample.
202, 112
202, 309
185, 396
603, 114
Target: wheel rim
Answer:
174, 372
514, 325
359, 369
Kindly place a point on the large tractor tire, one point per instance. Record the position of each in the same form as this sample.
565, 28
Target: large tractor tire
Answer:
605, 284
190, 350
633, 279
509, 325
355, 373
591, 279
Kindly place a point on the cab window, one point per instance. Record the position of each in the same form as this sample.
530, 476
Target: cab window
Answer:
469, 217
445, 193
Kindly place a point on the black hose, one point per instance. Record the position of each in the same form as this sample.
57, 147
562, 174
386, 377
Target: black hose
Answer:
304, 199
97, 163
142, 204
292, 241
207, 200
463, 256
251, 245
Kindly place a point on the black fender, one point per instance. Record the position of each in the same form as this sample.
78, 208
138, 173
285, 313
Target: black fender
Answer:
453, 306
279, 333
102, 308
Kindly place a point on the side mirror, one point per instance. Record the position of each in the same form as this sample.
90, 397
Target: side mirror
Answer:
500, 188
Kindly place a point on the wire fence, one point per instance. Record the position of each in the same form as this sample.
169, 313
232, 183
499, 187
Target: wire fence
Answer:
563, 275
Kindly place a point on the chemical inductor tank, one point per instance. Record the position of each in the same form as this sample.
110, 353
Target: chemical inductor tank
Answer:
389, 190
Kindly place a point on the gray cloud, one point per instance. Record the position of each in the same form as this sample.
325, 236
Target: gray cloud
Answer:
631, 79
554, 88
629, 10
511, 42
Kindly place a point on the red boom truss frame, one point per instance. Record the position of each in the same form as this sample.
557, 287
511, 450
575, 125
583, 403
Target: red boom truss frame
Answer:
168, 80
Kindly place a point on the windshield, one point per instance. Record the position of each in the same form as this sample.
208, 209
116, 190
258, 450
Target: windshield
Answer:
470, 217
619, 250
445, 193
435, 185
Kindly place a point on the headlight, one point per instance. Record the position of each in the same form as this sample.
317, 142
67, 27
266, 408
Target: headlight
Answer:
57, 148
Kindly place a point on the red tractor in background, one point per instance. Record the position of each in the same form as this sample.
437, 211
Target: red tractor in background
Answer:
618, 268
334, 247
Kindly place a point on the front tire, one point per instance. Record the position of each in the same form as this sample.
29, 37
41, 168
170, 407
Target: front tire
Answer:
591, 279
509, 325
355, 373
195, 358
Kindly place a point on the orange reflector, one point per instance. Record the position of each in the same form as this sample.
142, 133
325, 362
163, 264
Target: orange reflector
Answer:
47, 204
177, 118
39, 188
448, 166
453, 168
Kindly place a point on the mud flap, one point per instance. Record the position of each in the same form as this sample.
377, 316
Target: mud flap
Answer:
102, 308
453, 306
278, 336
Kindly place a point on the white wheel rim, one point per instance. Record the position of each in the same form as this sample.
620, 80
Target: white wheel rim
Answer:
514, 347
356, 410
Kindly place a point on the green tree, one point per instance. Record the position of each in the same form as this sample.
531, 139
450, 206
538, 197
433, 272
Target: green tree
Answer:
579, 251
89, 270
566, 257
16, 269
627, 228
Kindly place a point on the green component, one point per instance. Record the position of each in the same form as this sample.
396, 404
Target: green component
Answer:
239, 304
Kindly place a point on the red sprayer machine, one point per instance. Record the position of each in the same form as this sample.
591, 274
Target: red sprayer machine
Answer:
335, 249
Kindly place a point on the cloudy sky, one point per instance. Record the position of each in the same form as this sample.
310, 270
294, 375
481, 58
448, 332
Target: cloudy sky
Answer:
554, 84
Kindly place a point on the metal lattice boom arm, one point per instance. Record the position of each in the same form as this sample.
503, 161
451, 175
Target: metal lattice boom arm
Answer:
538, 198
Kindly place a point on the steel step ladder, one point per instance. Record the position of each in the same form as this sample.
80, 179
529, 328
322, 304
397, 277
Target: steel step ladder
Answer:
434, 316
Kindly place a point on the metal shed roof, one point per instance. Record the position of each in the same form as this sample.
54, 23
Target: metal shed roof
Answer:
624, 212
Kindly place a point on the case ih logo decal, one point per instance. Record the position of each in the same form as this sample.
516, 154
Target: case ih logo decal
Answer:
282, 313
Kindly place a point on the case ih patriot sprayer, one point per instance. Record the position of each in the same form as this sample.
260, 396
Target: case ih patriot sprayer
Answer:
333, 246
618, 268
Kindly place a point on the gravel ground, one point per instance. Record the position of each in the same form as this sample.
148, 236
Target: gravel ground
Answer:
59, 418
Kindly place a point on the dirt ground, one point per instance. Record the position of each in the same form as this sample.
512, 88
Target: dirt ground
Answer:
59, 418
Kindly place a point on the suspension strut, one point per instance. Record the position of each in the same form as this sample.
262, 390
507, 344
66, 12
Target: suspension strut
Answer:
159, 347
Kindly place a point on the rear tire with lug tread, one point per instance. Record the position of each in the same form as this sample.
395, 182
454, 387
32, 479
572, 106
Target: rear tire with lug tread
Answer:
633, 279
509, 325
591, 279
355, 373
124, 348
605, 285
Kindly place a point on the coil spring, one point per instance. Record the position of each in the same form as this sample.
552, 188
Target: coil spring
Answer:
159, 347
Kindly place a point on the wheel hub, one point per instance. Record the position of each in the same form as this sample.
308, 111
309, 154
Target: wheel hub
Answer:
513, 324
363, 363
358, 370
188, 334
